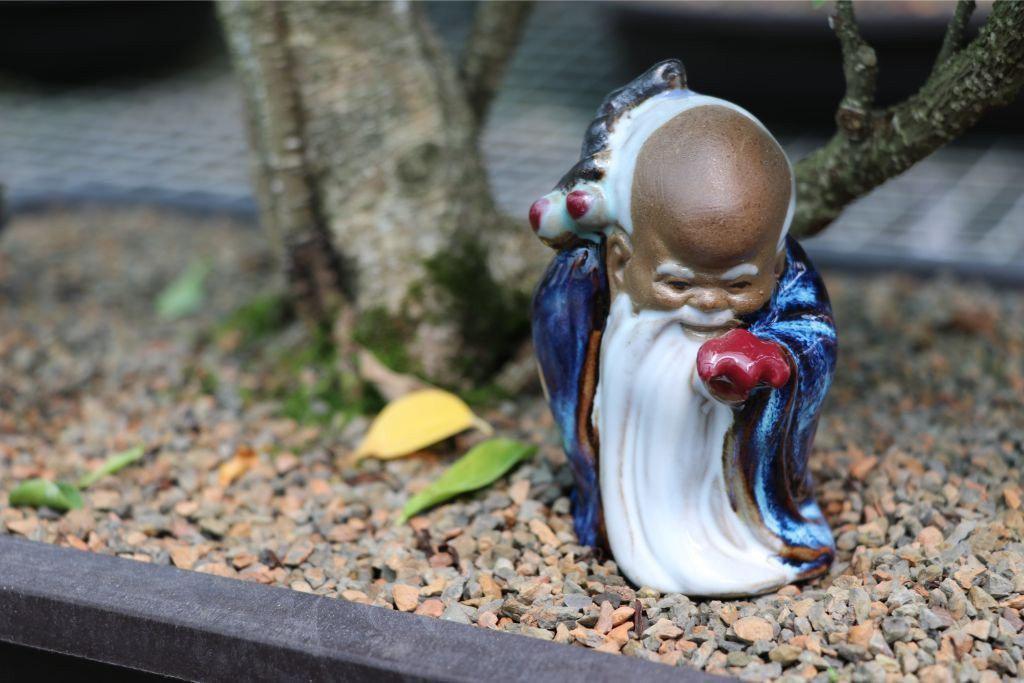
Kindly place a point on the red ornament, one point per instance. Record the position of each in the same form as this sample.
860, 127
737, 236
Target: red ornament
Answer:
578, 203
736, 363
537, 210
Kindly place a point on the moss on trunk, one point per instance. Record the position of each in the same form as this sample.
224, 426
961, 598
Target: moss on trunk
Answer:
492, 318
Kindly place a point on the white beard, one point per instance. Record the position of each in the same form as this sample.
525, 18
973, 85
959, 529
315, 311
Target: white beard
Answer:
667, 512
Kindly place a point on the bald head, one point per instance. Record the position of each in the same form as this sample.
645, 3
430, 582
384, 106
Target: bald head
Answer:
713, 183
710, 193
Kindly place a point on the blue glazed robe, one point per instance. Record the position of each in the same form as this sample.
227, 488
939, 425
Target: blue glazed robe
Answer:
767, 447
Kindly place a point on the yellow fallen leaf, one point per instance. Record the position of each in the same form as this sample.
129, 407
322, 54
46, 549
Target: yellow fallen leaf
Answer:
415, 421
240, 462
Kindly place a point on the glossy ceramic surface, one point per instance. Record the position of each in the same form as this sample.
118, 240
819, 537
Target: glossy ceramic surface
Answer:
688, 441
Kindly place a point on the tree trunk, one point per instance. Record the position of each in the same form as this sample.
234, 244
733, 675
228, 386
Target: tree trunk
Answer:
366, 163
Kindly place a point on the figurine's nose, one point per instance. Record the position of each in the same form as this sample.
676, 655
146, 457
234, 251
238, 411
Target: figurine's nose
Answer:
709, 299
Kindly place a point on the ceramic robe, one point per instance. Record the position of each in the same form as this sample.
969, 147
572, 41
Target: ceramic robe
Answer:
684, 355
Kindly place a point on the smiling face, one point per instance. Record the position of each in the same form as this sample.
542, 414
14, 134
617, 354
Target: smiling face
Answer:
710, 194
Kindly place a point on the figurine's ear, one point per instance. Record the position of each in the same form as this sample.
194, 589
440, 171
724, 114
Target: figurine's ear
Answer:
780, 263
619, 253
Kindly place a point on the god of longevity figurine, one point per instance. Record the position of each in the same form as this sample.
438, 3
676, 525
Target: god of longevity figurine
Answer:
685, 344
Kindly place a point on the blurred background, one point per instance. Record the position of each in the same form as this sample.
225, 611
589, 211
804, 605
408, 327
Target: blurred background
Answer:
136, 103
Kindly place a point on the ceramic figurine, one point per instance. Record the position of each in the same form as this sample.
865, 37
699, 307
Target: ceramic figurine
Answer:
685, 344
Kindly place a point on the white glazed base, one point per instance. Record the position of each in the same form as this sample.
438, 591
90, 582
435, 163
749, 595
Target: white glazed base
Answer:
667, 512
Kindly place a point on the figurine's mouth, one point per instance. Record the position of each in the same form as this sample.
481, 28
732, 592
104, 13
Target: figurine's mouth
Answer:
699, 327
696, 320
705, 332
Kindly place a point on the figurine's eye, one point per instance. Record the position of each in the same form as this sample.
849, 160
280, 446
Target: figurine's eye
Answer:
678, 285
739, 286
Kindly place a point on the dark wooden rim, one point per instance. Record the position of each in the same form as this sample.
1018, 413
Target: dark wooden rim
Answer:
199, 627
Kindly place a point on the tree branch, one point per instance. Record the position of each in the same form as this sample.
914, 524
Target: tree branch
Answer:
987, 73
860, 68
497, 27
955, 32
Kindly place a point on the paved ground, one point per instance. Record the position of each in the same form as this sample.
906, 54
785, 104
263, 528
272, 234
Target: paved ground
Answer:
180, 140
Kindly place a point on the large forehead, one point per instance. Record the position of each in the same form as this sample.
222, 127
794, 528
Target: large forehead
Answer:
711, 182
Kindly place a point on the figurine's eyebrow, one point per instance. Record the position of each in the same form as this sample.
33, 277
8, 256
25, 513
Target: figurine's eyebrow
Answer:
674, 270
739, 271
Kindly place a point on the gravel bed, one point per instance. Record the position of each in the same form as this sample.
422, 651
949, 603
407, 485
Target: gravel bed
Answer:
917, 464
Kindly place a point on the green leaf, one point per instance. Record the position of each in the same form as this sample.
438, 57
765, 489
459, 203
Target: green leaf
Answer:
482, 465
43, 492
185, 295
114, 463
